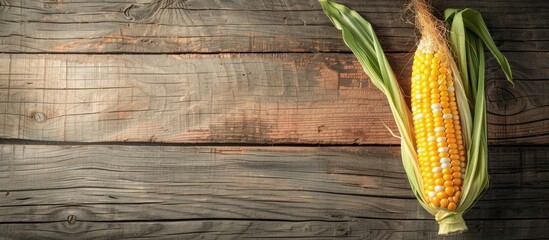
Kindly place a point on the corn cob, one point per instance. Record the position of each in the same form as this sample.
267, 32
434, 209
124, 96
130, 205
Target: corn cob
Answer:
448, 117
439, 141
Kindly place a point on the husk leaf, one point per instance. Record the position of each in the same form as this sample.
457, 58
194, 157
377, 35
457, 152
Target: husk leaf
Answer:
468, 38
360, 37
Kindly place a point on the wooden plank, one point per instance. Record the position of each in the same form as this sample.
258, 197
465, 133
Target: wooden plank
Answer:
235, 26
287, 191
235, 98
231, 229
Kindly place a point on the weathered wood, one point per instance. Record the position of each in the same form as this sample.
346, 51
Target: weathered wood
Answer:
252, 98
242, 191
236, 26
371, 229
313, 91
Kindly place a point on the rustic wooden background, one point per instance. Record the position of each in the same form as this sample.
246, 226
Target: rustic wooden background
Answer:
163, 119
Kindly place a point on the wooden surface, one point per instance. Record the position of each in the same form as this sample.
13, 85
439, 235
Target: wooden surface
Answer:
156, 119
270, 191
184, 26
235, 98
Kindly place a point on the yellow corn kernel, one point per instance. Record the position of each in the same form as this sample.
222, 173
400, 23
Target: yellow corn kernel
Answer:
437, 127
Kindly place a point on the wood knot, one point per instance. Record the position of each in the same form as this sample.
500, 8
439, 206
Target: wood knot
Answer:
146, 11
71, 219
505, 99
39, 117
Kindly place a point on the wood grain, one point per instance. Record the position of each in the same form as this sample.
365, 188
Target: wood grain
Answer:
177, 26
236, 98
154, 77
242, 229
236, 192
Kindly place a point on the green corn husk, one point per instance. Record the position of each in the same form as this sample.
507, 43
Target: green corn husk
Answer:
468, 37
